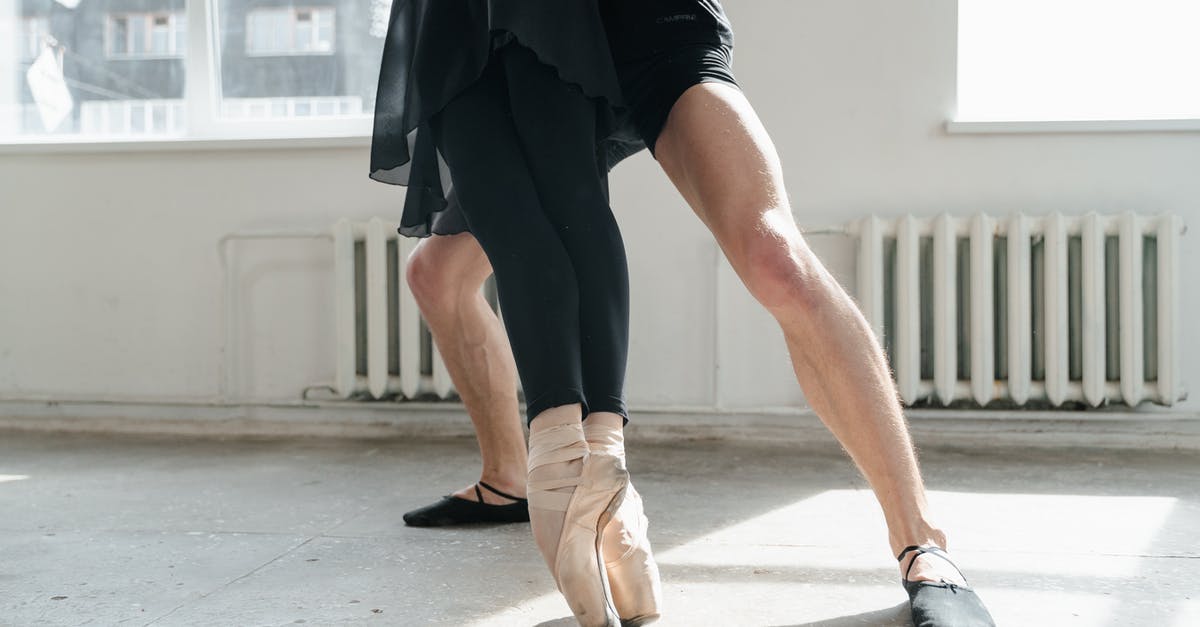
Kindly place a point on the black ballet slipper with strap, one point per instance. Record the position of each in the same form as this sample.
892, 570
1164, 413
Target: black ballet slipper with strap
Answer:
452, 510
942, 604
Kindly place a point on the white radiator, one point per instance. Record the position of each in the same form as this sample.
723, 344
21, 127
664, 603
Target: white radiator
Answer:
1026, 309
383, 349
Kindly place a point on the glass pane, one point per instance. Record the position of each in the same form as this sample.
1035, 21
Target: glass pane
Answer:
1078, 59
179, 31
160, 35
118, 38
304, 34
137, 118
159, 117
324, 41
80, 67
309, 59
137, 35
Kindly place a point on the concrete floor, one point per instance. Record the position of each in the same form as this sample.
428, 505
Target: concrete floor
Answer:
101, 530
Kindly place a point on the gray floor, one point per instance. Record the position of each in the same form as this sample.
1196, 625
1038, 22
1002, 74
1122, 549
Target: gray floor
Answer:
171, 531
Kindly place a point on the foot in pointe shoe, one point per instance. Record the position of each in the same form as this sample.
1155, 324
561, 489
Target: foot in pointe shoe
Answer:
632, 572
580, 499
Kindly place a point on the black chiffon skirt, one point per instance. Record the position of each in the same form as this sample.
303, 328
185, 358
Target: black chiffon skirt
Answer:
435, 49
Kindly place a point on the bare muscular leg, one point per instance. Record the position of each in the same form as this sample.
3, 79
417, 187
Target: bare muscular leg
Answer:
719, 156
445, 274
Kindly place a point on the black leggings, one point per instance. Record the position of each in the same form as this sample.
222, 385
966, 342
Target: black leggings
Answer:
521, 148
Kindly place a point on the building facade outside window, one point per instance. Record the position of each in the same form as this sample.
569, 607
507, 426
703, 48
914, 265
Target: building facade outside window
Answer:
146, 35
290, 30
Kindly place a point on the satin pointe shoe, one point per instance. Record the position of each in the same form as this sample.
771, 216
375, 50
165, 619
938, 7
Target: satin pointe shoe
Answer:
588, 502
942, 604
632, 571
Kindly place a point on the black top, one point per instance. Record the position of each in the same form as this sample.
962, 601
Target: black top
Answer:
638, 29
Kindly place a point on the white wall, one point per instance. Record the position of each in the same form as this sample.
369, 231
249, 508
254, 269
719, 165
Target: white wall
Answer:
109, 277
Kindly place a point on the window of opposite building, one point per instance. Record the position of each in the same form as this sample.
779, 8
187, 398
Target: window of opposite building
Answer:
1078, 60
146, 35
290, 30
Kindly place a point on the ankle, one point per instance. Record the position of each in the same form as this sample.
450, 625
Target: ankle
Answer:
509, 483
604, 437
559, 416
923, 535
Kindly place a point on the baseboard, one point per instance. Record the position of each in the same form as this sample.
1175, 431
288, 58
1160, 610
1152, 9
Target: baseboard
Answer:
930, 428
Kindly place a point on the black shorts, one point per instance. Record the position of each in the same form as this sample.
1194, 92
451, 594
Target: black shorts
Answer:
651, 86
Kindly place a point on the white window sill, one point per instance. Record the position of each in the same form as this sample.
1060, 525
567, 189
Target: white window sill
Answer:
121, 144
957, 127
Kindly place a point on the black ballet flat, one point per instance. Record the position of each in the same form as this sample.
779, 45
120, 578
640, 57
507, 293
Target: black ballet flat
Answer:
942, 604
452, 510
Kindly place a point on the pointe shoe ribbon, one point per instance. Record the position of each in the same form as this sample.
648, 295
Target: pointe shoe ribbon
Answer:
556, 445
577, 563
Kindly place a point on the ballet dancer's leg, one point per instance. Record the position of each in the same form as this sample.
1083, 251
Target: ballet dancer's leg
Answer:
717, 153
446, 274
508, 209
548, 121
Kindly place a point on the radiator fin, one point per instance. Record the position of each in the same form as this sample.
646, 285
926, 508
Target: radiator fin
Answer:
1025, 311
384, 347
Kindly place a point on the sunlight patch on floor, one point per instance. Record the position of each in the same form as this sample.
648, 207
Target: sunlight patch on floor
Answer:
826, 557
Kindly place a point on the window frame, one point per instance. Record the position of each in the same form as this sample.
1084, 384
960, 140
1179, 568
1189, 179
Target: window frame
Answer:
206, 129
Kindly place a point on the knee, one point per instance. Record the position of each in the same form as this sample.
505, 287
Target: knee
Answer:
433, 281
782, 273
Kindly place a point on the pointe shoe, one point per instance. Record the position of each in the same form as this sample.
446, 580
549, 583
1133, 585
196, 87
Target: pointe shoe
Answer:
632, 572
578, 564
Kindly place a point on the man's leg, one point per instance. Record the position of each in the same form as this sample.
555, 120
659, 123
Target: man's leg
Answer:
445, 274
719, 156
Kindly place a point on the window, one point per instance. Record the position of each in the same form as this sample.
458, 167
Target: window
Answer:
1022, 60
285, 64
146, 35
126, 69
289, 31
